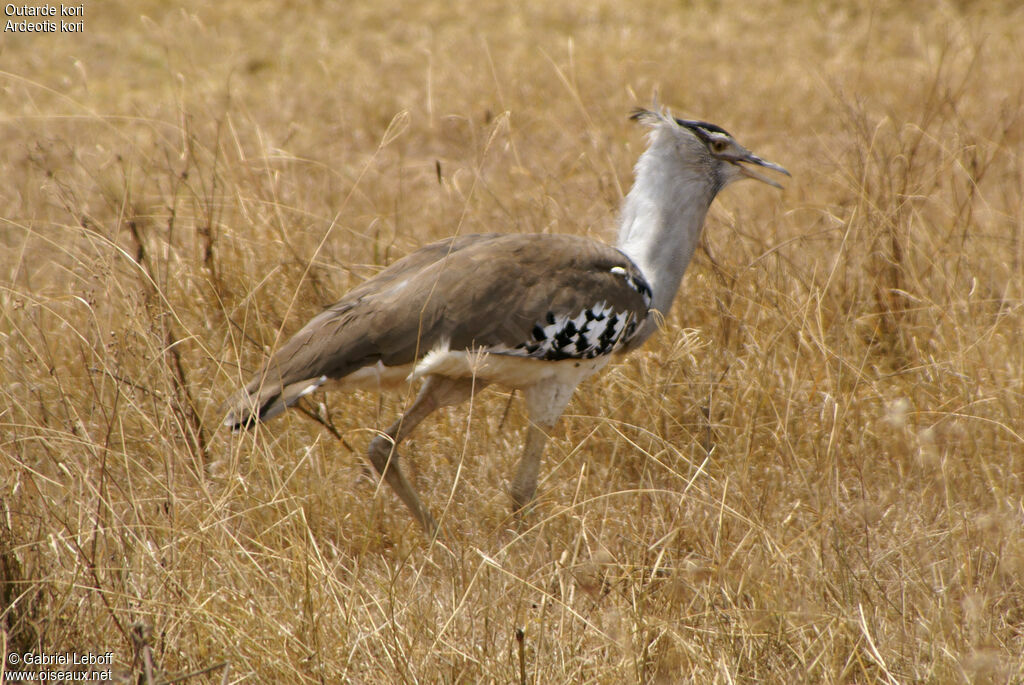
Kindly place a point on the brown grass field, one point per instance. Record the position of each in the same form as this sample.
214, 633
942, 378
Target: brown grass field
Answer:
814, 473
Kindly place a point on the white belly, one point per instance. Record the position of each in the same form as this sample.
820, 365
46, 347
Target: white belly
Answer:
503, 369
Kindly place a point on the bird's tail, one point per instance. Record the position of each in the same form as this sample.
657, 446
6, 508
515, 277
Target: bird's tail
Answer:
264, 399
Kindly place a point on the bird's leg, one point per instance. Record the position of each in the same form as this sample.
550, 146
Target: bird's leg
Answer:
524, 485
436, 392
544, 404
383, 453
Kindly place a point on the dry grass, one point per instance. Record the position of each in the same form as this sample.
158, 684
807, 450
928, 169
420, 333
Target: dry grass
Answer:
813, 474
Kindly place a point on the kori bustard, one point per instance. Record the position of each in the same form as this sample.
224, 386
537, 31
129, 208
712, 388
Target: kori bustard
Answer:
535, 312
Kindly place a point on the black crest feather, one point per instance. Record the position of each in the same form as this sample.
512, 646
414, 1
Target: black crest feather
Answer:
702, 128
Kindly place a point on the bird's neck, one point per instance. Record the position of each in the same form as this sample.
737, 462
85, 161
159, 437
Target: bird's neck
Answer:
660, 227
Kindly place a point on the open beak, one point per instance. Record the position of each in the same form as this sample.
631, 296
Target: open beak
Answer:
747, 171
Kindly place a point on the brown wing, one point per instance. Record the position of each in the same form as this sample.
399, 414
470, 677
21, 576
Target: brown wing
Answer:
542, 296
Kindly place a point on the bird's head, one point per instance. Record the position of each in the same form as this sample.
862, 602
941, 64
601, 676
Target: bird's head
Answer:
703, 147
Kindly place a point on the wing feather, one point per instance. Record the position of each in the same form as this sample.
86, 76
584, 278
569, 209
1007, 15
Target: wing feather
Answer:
492, 291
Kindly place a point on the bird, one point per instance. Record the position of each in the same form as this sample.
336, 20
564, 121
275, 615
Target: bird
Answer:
534, 312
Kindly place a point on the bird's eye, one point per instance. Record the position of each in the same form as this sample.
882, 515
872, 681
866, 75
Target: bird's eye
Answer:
718, 146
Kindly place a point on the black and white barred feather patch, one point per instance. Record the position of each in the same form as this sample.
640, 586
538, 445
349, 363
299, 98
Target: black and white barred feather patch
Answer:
593, 332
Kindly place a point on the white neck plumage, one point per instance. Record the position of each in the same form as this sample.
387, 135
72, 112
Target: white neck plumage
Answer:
661, 221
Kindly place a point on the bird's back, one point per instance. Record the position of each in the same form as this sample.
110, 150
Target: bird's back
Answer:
539, 296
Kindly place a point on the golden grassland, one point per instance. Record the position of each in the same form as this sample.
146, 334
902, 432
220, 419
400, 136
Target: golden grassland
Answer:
812, 474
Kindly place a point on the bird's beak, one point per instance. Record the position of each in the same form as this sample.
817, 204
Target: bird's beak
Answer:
755, 160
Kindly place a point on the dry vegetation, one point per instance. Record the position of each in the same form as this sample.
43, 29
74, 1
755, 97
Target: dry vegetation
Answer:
813, 474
